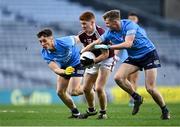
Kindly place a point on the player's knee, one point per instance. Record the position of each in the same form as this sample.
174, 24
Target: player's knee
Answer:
60, 92
150, 90
86, 90
133, 81
99, 90
119, 79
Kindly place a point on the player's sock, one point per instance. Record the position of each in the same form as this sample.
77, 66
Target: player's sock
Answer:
91, 109
164, 108
136, 96
102, 111
75, 111
165, 113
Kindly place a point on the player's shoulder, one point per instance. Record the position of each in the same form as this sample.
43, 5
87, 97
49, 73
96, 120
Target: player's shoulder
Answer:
100, 29
65, 41
128, 24
60, 39
125, 22
81, 33
108, 32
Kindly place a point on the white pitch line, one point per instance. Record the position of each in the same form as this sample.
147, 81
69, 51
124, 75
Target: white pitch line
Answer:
14, 111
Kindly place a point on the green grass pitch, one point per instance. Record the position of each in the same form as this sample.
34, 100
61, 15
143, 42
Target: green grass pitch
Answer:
56, 115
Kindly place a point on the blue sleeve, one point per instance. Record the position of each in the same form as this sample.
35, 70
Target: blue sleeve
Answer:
131, 28
47, 60
105, 37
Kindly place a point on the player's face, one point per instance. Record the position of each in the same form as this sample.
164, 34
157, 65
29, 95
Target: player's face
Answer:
133, 18
113, 25
87, 26
46, 42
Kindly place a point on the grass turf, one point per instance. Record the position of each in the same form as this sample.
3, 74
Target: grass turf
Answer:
56, 115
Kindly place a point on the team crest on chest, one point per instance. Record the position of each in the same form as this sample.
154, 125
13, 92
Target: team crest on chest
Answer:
89, 40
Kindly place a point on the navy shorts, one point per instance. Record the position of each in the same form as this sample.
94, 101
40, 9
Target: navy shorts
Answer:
150, 60
79, 71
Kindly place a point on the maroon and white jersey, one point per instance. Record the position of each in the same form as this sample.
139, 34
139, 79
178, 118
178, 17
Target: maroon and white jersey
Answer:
87, 39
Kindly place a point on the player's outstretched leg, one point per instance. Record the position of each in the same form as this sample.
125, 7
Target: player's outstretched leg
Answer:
121, 79
89, 81
100, 89
62, 85
150, 76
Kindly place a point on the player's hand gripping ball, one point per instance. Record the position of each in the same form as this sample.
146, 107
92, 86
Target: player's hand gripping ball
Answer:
69, 70
87, 59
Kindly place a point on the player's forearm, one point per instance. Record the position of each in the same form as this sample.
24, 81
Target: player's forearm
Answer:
90, 46
59, 71
123, 45
129, 39
87, 48
55, 68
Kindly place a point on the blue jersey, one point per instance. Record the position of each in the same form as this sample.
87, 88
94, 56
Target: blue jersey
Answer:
141, 44
66, 52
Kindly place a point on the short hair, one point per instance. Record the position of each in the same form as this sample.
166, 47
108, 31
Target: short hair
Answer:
112, 15
45, 33
132, 14
87, 16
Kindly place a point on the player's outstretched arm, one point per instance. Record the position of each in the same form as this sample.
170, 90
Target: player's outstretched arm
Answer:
91, 46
